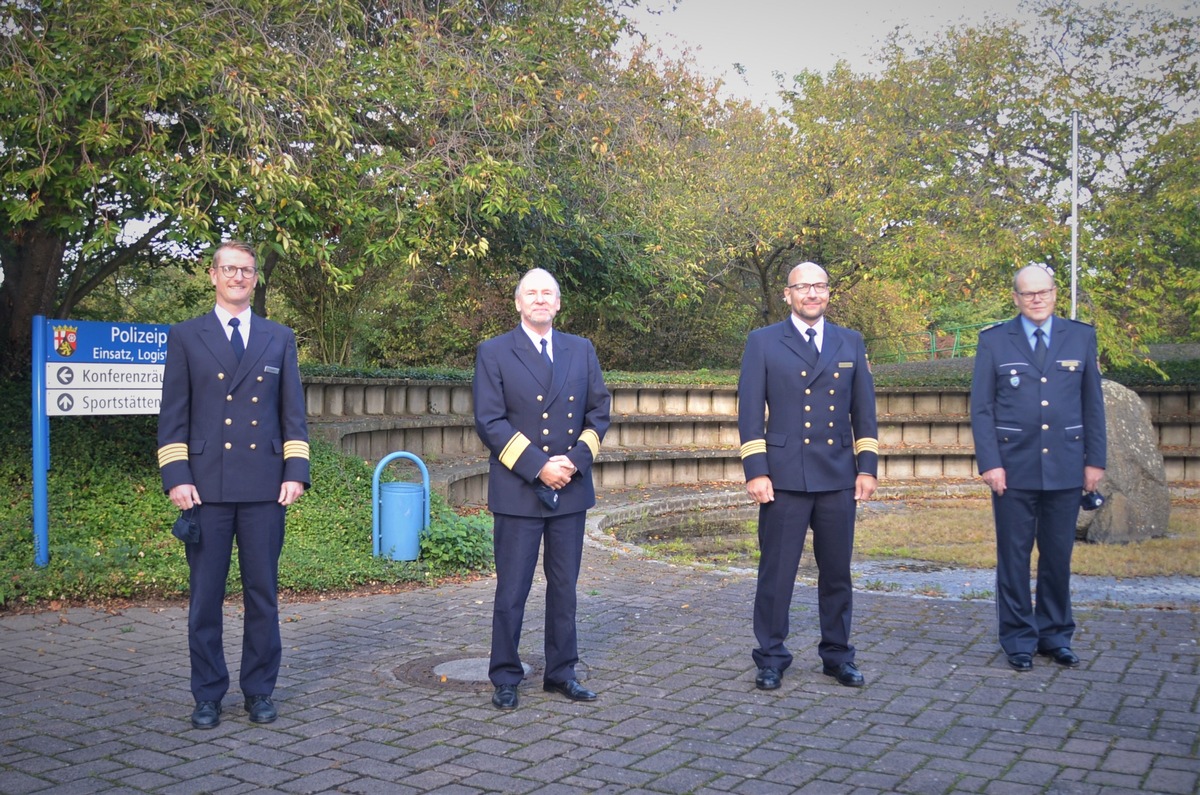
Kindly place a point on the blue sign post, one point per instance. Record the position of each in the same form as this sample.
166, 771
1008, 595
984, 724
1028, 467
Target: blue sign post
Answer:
81, 368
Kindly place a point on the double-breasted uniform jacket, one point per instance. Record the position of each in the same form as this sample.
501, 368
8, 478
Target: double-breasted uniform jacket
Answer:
524, 416
236, 430
821, 432
1042, 425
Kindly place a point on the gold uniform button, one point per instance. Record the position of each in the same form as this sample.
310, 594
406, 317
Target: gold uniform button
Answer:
254, 400
220, 376
545, 416
570, 415
831, 441
254, 422
837, 375
571, 398
259, 378
831, 408
808, 408
806, 441
1045, 427
1043, 379
545, 449
808, 391
832, 392
253, 447
808, 425
228, 421
228, 445
831, 425
804, 373
571, 431
539, 398
1044, 451
545, 431
229, 397
1045, 402
1012, 372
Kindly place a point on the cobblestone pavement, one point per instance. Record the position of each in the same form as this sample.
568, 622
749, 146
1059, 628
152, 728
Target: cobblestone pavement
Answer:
92, 701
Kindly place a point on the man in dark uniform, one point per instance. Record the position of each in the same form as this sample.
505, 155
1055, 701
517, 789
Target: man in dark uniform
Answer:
810, 450
233, 444
541, 408
1037, 415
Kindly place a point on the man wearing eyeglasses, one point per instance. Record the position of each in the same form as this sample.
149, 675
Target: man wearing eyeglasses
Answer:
1037, 416
233, 451
810, 452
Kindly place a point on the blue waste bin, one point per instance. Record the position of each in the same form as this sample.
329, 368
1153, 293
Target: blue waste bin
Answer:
401, 512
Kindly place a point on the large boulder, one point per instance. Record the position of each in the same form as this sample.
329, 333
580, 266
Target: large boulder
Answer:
1137, 500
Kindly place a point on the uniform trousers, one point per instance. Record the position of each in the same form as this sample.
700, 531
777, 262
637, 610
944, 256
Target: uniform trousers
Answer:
517, 540
1025, 517
258, 528
782, 526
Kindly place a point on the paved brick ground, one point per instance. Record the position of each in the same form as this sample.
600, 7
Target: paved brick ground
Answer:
97, 702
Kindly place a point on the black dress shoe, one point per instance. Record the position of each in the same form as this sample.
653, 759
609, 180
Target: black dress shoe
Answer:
206, 715
768, 679
846, 673
1020, 661
505, 697
1063, 656
571, 689
261, 709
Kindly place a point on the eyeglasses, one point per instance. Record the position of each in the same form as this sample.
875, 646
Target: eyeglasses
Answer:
820, 288
1041, 295
229, 271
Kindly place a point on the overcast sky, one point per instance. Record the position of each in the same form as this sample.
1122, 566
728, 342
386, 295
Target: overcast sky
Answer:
786, 36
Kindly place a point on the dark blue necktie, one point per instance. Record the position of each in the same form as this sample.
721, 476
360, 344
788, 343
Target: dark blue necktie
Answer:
546, 356
1039, 348
235, 338
812, 341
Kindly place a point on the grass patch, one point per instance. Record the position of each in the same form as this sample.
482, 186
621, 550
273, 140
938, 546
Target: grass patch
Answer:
960, 533
109, 522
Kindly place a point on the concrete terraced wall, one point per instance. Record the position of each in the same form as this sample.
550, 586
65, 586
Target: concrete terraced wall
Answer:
669, 434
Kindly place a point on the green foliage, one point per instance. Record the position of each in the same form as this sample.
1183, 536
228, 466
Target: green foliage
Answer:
110, 522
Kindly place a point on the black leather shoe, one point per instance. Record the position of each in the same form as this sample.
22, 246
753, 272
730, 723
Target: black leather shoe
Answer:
505, 697
261, 709
1020, 661
845, 673
1063, 656
571, 689
768, 679
206, 715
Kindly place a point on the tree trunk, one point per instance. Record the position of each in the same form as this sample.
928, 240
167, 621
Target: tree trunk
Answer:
32, 259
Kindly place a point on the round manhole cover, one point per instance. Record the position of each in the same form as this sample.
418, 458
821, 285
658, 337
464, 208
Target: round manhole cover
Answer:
454, 672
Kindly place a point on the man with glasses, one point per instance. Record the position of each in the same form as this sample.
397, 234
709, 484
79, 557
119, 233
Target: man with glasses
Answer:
233, 453
810, 451
1037, 415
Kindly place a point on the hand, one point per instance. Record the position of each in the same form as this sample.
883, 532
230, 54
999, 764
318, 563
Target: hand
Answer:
290, 491
996, 480
761, 489
1091, 478
557, 472
184, 496
864, 486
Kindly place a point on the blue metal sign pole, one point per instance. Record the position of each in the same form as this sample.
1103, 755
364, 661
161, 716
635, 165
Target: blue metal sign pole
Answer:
41, 446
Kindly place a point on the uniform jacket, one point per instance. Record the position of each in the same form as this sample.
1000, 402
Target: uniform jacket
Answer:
1041, 425
821, 430
524, 417
234, 430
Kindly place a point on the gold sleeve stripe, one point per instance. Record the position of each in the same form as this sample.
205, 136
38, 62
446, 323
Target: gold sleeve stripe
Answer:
295, 449
512, 451
592, 440
754, 447
866, 445
170, 453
